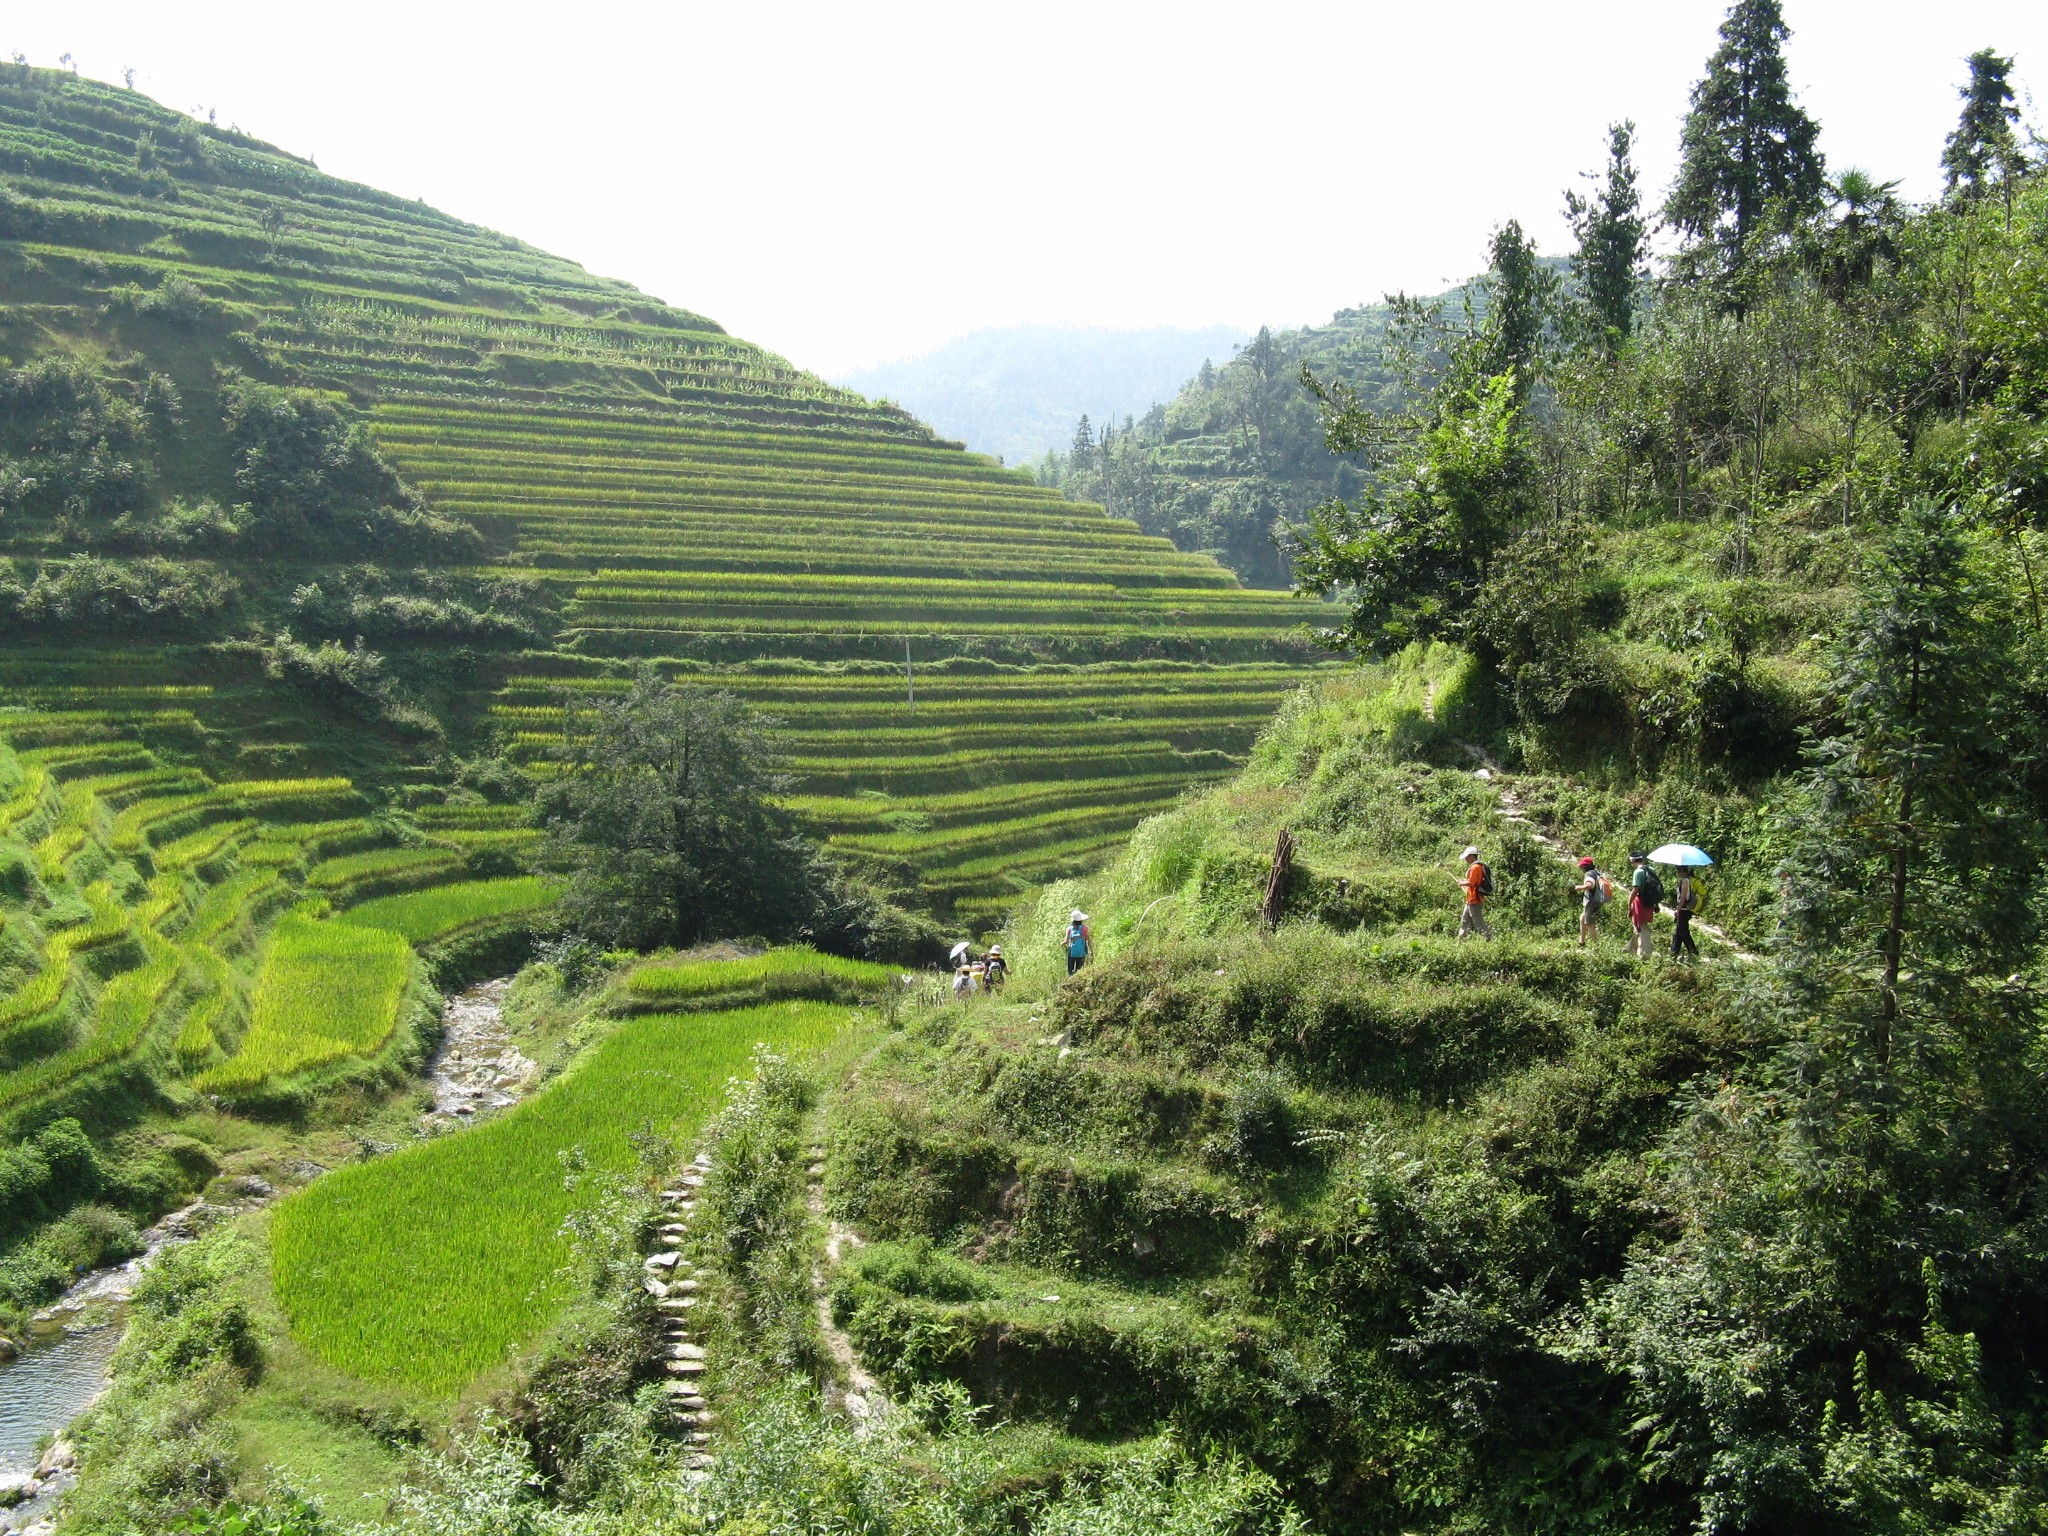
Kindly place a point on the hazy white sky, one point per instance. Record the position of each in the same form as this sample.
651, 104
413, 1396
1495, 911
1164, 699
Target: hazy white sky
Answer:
847, 183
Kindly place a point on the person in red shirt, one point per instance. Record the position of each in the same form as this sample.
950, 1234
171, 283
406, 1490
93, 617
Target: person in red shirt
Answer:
1478, 884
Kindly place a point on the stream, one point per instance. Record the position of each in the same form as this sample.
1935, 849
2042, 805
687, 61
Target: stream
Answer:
63, 1361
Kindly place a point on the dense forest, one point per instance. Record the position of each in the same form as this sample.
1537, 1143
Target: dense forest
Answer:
1239, 450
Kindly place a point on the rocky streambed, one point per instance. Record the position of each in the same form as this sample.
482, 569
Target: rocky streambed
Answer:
61, 1365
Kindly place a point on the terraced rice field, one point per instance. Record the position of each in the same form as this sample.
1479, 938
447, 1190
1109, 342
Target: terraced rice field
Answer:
153, 892
679, 497
325, 991
430, 1267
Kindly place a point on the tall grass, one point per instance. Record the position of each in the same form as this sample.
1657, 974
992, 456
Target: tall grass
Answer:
429, 1267
326, 990
665, 984
423, 916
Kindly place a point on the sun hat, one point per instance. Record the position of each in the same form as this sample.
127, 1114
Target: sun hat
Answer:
1078, 916
995, 949
1469, 853
1585, 863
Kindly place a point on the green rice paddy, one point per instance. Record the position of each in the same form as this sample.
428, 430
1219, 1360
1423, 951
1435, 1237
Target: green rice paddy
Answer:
429, 1267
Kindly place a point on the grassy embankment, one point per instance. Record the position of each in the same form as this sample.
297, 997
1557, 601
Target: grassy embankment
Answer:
1288, 1195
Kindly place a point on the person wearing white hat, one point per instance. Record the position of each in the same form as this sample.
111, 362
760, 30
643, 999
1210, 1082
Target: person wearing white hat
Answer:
998, 968
1477, 882
1080, 942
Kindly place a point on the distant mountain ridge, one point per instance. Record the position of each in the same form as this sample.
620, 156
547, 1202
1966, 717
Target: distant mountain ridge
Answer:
1017, 391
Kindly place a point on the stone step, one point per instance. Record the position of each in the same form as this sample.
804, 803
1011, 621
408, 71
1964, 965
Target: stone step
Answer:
674, 1305
660, 1262
683, 1288
686, 1351
682, 1394
677, 1227
684, 1367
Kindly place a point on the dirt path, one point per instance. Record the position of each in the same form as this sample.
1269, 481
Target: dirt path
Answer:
855, 1391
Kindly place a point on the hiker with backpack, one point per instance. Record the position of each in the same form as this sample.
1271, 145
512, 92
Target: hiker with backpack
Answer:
1477, 883
998, 969
1645, 896
1080, 942
1595, 891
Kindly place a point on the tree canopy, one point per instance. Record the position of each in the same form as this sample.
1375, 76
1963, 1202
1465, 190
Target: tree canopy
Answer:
663, 819
1749, 154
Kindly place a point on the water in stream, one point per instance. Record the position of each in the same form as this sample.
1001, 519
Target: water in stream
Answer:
63, 1361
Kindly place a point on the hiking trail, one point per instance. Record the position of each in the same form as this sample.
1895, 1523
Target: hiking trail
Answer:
1508, 806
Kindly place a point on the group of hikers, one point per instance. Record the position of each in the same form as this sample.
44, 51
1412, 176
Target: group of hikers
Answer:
1647, 894
991, 971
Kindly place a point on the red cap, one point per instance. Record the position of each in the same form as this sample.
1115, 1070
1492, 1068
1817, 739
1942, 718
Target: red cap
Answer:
1585, 863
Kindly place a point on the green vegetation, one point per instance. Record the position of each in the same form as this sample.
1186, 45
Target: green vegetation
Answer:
1291, 1209
796, 972
465, 468
433, 1265
318, 508
325, 990
421, 917
659, 812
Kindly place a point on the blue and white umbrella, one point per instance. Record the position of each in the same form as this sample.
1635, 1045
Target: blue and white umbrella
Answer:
1684, 855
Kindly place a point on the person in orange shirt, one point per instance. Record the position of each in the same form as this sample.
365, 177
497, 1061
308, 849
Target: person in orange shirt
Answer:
1478, 884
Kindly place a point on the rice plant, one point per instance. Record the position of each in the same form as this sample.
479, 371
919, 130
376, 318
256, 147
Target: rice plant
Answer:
420, 917
325, 990
427, 1268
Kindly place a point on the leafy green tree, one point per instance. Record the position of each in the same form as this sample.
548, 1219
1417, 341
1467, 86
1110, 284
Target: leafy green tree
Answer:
1608, 266
1916, 871
663, 818
1749, 155
1983, 151
1519, 291
1863, 235
1410, 555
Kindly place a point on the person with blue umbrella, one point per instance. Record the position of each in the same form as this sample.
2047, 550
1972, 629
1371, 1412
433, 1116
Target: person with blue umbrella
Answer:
1685, 898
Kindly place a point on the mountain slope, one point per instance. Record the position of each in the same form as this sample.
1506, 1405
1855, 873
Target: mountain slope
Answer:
618, 482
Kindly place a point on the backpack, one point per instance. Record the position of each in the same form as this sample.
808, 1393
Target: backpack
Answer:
1485, 880
1077, 939
1653, 888
1603, 890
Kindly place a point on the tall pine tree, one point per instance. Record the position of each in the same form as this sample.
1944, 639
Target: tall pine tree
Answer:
1608, 265
1749, 153
1983, 151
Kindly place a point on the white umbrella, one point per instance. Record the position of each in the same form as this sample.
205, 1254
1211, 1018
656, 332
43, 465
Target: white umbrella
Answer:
959, 950
1684, 855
